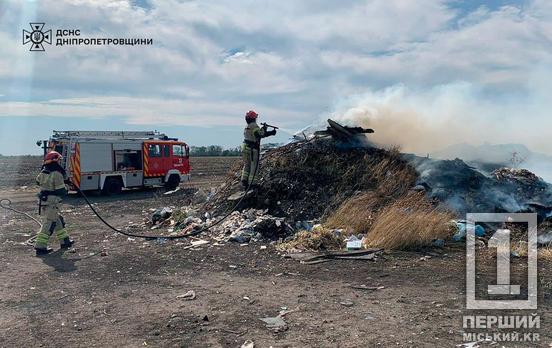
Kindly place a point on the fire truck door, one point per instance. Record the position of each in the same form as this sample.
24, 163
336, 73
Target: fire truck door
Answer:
167, 158
153, 161
180, 158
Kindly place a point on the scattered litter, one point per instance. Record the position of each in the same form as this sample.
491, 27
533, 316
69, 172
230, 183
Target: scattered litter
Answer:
161, 215
364, 287
171, 192
276, 324
199, 242
461, 230
248, 344
347, 303
287, 273
285, 311
476, 344
248, 299
353, 243
241, 227
190, 295
313, 258
195, 243
239, 195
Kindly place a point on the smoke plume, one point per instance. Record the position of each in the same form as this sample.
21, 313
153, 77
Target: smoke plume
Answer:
424, 121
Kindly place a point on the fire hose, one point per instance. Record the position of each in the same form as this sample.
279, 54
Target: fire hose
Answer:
6, 203
161, 237
180, 236
189, 234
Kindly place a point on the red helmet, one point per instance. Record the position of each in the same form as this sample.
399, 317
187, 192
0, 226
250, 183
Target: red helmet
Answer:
251, 115
51, 157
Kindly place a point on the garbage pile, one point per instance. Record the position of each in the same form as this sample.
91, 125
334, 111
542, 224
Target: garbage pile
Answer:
384, 192
249, 224
308, 180
465, 189
527, 184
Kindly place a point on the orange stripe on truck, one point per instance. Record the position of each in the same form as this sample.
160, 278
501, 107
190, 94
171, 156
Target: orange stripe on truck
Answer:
75, 165
146, 165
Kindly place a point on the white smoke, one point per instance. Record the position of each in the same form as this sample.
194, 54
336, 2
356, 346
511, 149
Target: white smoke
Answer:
424, 121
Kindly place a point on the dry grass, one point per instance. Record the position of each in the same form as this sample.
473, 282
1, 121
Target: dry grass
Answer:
319, 239
393, 175
545, 253
519, 247
409, 222
393, 178
357, 214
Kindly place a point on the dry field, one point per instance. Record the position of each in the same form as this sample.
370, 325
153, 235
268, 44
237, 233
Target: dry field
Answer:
118, 292
18, 171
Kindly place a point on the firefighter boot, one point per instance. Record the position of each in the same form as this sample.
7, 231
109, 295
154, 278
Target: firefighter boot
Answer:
43, 251
66, 243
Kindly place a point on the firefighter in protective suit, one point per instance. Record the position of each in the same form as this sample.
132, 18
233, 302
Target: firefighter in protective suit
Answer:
251, 146
52, 189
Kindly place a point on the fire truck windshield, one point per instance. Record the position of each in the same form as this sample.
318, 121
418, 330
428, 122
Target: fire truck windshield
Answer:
178, 151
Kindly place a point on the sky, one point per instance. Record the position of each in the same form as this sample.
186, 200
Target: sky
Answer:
428, 72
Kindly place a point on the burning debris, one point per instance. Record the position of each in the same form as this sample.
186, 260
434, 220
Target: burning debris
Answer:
522, 180
303, 183
392, 200
465, 189
308, 181
342, 133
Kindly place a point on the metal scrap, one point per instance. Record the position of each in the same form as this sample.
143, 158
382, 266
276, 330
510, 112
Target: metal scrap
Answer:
342, 133
313, 258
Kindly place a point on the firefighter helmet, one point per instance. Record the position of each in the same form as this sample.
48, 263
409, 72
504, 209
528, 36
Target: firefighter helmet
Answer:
251, 116
52, 156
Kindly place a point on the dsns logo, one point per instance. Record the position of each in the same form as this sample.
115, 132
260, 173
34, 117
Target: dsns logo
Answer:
36, 37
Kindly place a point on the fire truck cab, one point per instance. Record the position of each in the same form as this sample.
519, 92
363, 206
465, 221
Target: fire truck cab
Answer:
112, 160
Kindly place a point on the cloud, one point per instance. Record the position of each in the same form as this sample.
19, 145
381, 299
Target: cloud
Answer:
146, 111
211, 61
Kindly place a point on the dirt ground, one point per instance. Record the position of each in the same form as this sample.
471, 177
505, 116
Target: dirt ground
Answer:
19, 172
114, 291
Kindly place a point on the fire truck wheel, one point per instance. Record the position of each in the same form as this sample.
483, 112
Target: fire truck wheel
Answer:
173, 182
112, 186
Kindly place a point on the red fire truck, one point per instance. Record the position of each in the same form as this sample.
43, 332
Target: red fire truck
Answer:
111, 160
